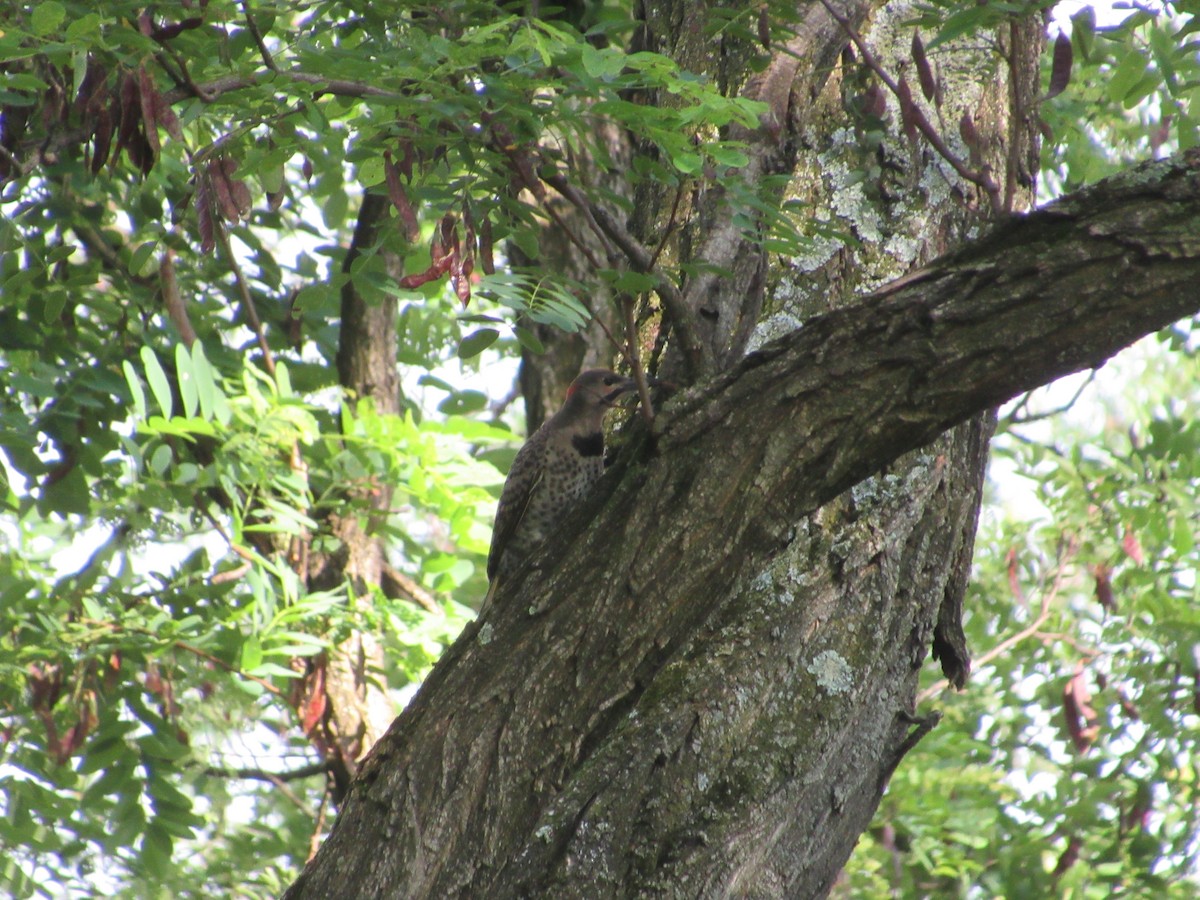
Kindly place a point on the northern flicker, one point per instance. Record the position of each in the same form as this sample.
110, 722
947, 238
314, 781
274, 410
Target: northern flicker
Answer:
553, 471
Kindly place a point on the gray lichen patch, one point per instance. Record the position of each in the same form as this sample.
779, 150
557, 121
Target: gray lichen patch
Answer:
833, 673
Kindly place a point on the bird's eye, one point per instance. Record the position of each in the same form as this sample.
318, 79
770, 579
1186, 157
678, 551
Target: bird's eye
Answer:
610, 380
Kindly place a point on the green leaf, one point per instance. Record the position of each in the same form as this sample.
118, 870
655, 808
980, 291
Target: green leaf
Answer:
687, 163
160, 460
283, 381
206, 387
529, 340
312, 297
136, 393
187, 381
476, 342
724, 155
252, 654
959, 23
634, 282
47, 16
1128, 73
159, 386
155, 856
141, 257
85, 26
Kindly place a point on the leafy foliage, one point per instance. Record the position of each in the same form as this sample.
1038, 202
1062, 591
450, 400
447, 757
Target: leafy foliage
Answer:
1145, 70
1068, 766
180, 188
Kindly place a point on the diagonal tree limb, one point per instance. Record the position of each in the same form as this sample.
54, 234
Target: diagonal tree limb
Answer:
496, 774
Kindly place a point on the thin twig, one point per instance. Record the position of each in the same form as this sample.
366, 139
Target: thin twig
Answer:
237, 548
572, 236
94, 241
628, 303
982, 179
619, 346
298, 555
256, 774
314, 841
22, 168
670, 227
396, 583
176, 309
1015, 418
230, 574
189, 648
339, 87
267, 59
231, 669
642, 260
248, 307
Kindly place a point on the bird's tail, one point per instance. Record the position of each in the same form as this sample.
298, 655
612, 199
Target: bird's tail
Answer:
488, 598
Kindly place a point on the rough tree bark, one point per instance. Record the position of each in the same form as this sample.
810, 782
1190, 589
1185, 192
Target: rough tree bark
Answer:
646, 711
896, 552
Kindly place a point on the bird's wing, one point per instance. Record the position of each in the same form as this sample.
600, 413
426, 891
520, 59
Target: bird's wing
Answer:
523, 478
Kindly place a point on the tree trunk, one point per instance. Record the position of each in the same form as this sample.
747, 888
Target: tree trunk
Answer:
357, 708
646, 710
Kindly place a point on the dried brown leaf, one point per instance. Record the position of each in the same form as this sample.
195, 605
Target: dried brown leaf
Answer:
1079, 716
1104, 589
874, 102
312, 712
449, 231
222, 192
924, 71
1128, 706
459, 278
205, 215
468, 244
486, 253
164, 33
93, 90
165, 116
173, 300
1060, 66
970, 136
1068, 857
146, 94
102, 133
908, 109
128, 113
439, 267
399, 198
407, 159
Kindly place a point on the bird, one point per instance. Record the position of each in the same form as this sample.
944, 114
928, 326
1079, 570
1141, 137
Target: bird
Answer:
553, 472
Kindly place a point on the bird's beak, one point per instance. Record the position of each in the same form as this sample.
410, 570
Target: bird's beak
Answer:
624, 387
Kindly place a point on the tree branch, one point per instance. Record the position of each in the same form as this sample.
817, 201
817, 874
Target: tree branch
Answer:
255, 773
683, 319
396, 584
211, 90
495, 775
979, 178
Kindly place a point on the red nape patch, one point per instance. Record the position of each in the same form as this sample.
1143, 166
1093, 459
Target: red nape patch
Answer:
574, 386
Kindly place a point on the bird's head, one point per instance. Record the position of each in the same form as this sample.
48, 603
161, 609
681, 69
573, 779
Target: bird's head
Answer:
598, 389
